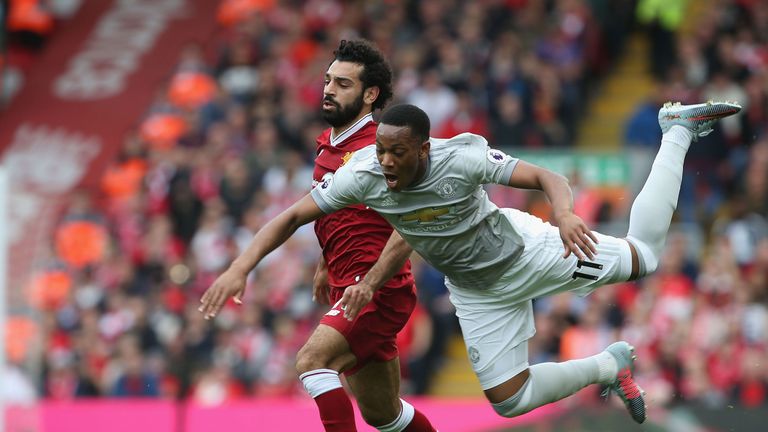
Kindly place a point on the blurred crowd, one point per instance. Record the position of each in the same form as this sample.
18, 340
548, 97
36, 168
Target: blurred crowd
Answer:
700, 324
229, 142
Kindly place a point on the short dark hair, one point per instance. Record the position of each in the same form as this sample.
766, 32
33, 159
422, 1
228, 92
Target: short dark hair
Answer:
376, 69
408, 115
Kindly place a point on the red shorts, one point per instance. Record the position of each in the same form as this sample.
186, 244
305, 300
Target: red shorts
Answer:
371, 336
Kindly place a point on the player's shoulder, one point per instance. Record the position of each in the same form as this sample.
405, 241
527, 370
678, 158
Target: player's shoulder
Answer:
364, 160
462, 140
469, 139
458, 145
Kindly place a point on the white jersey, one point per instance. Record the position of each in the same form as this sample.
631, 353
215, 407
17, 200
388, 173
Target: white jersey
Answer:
447, 216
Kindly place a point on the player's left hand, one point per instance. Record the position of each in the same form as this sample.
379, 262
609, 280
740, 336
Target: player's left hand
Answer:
577, 238
355, 298
231, 283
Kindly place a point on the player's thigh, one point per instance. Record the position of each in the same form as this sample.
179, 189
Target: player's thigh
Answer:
372, 336
554, 274
541, 269
495, 334
326, 348
376, 387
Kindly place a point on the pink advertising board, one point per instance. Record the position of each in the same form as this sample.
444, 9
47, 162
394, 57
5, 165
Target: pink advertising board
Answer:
254, 415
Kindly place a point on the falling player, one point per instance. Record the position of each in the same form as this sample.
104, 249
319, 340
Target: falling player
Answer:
495, 260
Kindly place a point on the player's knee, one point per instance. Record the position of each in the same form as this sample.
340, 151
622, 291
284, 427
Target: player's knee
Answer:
651, 264
648, 257
510, 409
309, 359
517, 404
313, 356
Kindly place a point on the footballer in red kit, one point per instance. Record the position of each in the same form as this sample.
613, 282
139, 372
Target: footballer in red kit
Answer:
352, 240
357, 82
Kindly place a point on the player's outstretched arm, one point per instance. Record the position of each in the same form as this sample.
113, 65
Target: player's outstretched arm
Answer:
577, 238
392, 258
231, 283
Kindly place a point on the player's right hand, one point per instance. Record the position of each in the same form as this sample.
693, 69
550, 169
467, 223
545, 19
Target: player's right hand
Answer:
320, 288
231, 283
577, 238
355, 298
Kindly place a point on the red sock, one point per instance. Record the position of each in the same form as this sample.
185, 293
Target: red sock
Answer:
336, 411
419, 423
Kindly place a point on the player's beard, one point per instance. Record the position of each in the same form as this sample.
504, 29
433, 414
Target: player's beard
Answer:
344, 115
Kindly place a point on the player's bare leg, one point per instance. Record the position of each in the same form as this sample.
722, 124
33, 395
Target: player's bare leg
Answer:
376, 386
377, 389
318, 364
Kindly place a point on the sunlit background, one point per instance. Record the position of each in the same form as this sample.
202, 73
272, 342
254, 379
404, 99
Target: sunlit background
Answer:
145, 141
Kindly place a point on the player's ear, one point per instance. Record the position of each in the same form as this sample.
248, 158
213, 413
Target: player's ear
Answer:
370, 95
424, 150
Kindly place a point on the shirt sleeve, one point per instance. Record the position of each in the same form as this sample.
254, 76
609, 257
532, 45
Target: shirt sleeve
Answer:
338, 190
486, 164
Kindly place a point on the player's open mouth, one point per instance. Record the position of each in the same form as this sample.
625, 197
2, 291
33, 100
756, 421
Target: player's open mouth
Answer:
391, 180
328, 105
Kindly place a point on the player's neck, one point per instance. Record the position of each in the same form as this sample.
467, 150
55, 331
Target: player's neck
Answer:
337, 131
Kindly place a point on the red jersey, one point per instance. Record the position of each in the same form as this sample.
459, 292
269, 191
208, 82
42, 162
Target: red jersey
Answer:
352, 238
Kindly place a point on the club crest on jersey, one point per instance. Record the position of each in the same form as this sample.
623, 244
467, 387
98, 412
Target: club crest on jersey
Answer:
346, 158
474, 355
496, 156
447, 187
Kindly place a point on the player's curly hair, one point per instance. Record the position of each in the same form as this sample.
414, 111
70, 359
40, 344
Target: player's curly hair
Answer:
376, 69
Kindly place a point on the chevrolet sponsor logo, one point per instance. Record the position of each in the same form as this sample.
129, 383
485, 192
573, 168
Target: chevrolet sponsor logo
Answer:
425, 215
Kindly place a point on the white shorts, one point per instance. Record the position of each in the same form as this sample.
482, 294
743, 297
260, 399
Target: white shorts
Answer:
497, 322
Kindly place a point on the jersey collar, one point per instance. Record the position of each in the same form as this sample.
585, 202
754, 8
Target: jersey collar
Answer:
351, 130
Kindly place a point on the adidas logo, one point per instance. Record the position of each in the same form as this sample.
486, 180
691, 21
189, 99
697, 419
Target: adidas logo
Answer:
388, 202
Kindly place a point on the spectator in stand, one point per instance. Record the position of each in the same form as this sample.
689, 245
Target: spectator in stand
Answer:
509, 127
132, 378
639, 131
742, 229
467, 117
751, 389
437, 99
662, 19
693, 62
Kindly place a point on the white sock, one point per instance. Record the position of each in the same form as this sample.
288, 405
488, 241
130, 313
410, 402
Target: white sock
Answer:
550, 382
319, 381
402, 421
652, 210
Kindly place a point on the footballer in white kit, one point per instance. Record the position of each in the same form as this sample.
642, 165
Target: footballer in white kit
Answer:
495, 260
